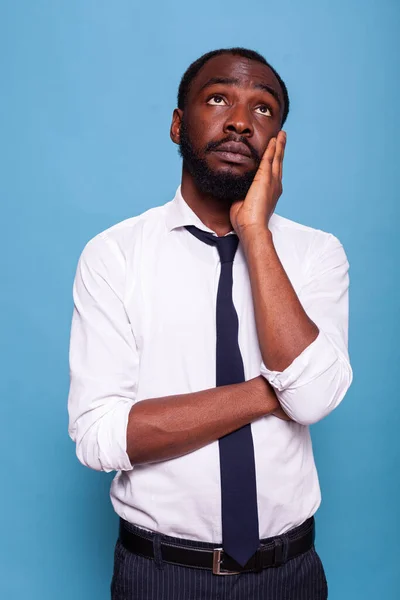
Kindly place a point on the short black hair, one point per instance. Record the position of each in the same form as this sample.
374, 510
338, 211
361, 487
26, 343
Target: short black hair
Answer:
195, 67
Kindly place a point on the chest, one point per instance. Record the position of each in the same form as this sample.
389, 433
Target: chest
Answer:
171, 304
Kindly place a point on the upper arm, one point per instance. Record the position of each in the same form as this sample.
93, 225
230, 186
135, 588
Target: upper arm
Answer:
317, 380
103, 358
325, 295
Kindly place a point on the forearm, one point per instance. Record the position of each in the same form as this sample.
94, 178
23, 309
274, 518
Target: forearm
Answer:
283, 327
171, 426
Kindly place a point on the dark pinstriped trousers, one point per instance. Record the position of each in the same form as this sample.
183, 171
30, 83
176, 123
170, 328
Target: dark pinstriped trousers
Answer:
139, 578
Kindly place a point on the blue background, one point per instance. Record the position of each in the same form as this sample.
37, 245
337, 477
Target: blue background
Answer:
88, 88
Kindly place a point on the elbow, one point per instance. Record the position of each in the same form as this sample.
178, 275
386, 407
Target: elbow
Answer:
99, 448
87, 450
88, 456
315, 400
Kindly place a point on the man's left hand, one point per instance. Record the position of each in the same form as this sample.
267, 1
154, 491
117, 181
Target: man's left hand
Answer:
261, 199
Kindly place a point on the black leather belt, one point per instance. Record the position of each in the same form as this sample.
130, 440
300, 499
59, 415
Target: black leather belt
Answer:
271, 553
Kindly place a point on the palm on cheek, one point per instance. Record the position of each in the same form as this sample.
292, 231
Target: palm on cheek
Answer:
265, 191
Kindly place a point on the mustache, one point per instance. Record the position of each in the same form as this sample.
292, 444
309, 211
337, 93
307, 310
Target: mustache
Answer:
211, 146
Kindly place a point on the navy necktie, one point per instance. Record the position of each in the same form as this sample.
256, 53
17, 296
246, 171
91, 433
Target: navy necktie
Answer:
240, 537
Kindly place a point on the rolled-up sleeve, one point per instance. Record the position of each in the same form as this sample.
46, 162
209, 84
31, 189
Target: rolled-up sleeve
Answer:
103, 359
318, 379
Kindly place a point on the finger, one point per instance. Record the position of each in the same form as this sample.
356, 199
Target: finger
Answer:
264, 169
278, 158
282, 161
281, 169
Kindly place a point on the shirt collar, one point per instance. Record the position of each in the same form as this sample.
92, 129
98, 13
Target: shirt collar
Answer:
180, 214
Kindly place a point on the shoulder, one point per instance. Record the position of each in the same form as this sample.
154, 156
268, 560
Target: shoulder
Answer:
307, 253
117, 241
306, 239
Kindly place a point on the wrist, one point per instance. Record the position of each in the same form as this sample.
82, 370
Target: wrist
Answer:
265, 394
256, 238
254, 230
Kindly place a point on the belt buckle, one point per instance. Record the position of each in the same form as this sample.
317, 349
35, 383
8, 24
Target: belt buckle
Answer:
217, 564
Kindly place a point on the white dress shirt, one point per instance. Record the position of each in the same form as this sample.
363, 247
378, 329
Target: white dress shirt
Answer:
144, 326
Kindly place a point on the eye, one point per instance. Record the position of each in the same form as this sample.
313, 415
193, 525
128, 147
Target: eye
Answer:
216, 100
264, 110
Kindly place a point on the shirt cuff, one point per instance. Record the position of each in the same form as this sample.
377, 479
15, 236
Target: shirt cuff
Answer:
319, 356
112, 439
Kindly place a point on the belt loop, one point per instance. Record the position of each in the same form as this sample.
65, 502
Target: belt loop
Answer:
158, 559
281, 550
258, 562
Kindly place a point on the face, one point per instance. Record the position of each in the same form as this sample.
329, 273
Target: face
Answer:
234, 107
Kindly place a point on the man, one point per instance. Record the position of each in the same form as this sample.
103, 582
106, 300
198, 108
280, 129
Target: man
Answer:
207, 335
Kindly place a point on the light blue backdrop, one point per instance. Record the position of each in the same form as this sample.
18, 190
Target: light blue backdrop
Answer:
87, 91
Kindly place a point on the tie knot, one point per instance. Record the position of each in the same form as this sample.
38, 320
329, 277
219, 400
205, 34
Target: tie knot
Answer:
226, 245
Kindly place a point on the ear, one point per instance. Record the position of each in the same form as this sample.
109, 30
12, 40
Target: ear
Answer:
175, 131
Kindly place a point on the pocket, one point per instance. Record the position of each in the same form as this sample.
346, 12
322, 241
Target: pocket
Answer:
321, 572
118, 557
123, 573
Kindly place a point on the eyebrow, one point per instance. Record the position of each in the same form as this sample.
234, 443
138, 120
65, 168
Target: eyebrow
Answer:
233, 81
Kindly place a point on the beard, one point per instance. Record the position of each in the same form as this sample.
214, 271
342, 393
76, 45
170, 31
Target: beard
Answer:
225, 186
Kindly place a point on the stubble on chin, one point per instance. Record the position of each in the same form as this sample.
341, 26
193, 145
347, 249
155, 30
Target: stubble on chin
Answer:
225, 185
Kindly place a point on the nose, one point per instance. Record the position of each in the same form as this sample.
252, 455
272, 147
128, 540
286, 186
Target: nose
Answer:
239, 121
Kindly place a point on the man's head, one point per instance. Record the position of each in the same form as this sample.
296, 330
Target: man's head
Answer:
231, 102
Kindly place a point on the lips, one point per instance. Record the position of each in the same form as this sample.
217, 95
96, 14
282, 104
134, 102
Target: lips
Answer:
234, 148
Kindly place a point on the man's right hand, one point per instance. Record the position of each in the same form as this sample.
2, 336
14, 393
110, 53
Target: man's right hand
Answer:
275, 409
171, 426
280, 413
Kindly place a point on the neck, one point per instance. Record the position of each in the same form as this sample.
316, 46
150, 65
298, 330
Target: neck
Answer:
213, 212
